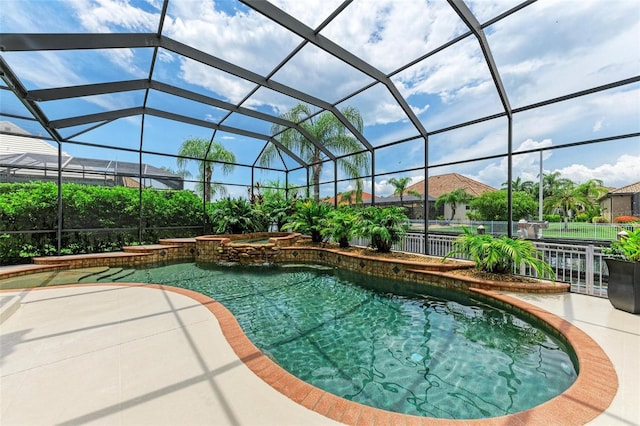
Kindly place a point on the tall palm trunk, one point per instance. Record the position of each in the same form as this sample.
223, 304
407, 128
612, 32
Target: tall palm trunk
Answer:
317, 169
207, 181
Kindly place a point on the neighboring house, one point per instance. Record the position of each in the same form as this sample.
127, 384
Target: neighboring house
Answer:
25, 158
440, 185
623, 201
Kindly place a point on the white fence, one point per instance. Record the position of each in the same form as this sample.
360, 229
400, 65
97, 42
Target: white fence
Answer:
582, 266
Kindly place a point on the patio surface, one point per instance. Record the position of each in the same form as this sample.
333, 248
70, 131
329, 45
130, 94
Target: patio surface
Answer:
130, 355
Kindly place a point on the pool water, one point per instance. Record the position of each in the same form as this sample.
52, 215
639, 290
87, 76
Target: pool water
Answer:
393, 345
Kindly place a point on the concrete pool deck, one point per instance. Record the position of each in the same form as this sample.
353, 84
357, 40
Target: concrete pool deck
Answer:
136, 354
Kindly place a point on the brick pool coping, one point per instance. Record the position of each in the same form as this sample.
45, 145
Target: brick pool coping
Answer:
588, 397
217, 248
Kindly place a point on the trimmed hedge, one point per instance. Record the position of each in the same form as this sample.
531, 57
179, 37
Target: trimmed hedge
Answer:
33, 206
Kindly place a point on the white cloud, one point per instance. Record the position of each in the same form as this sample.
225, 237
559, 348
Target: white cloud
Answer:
104, 16
623, 171
525, 166
597, 126
385, 189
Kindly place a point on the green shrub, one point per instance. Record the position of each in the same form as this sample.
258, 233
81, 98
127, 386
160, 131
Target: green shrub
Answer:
582, 217
599, 219
499, 255
384, 226
309, 218
236, 216
552, 218
33, 206
340, 225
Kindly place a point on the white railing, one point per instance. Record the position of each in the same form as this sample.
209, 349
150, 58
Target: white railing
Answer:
582, 266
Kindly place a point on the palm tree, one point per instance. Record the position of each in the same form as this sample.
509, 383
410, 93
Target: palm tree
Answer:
454, 199
347, 196
326, 129
592, 190
519, 185
400, 185
207, 153
566, 198
552, 183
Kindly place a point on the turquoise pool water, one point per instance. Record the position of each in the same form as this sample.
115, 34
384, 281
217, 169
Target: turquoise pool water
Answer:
406, 348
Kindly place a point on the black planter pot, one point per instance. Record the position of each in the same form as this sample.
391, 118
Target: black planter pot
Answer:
624, 285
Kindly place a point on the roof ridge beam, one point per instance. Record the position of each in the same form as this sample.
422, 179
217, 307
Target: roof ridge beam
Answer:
228, 67
57, 93
197, 97
94, 118
474, 25
22, 42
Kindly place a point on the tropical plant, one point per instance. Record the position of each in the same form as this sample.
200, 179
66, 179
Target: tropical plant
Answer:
454, 199
384, 226
626, 248
592, 190
309, 218
235, 216
276, 203
206, 153
328, 131
499, 255
347, 196
339, 225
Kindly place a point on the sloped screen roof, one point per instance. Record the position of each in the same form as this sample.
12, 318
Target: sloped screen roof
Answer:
439, 84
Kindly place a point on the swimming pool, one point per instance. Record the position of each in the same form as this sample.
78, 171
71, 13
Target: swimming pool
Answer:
406, 348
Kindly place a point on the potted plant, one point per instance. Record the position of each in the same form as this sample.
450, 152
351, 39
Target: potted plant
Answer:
623, 262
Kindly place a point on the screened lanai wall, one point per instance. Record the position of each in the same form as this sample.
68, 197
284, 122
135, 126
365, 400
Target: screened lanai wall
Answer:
492, 90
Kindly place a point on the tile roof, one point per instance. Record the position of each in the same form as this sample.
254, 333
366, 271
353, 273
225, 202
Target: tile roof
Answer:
443, 184
629, 189
366, 199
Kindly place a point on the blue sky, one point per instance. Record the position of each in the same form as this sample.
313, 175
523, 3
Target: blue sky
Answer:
546, 50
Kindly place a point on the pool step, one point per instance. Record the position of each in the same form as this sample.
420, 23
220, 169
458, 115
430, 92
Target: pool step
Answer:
120, 275
8, 306
101, 275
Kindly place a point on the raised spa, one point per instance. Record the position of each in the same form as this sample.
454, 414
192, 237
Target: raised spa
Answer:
407, 348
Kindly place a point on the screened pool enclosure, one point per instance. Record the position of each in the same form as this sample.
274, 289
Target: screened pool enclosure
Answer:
498, 91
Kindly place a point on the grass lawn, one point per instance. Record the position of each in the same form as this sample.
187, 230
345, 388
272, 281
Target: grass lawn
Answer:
574, 230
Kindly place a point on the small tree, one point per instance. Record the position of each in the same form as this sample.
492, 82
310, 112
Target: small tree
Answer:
493, 205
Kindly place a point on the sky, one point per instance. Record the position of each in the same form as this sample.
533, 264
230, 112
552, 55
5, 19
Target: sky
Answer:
546, 50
